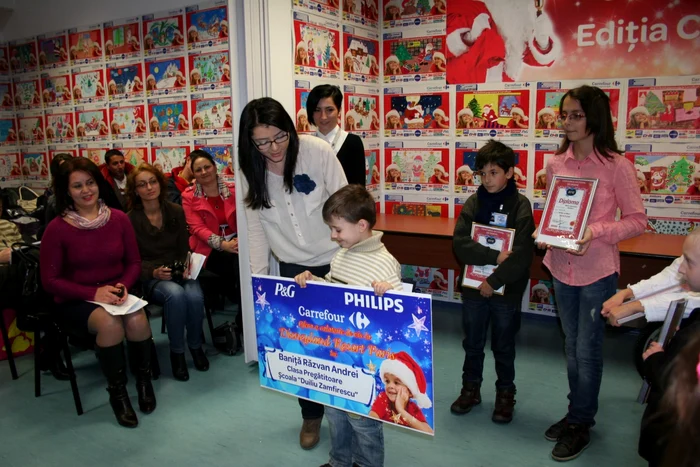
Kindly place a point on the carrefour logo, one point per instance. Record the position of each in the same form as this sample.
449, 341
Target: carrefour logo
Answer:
359, 320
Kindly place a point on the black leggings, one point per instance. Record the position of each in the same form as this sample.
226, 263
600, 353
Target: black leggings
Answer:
309, 410
225, 265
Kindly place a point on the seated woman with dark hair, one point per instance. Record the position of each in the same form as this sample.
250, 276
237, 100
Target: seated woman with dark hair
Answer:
89, 253
50, 211
210, 210
161, 232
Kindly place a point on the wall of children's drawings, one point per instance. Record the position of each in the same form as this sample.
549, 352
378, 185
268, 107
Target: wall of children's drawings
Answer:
429, 83
154, 86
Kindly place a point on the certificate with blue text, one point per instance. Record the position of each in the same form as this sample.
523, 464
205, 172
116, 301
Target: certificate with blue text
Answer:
346, 347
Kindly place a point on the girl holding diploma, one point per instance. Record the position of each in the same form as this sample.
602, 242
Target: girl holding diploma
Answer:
585, 278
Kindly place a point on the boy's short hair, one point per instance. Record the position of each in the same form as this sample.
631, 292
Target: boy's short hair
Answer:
497, 153
112, 152
352, 203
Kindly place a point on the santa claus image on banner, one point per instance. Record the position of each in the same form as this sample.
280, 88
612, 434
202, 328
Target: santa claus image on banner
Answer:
491, 40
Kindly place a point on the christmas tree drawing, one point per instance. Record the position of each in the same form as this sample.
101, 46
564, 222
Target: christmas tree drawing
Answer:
475, 107
423, 7
654, 104
402, 54
432, 161
207, 122
681, 172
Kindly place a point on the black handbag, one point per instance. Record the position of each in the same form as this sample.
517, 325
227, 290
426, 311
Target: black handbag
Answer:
226, 338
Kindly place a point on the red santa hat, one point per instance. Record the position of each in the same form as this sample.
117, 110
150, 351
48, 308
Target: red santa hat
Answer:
465, 111
391, 58
301, 112
81, 124
545, 111
195, 116
225, 66
191, 28
639, 110
542, 287
518, 110
392, 167
404, 367
334, 52
228, 113
441, 169
301, 45
137, 78
418, 158
195, 70
353, 114
641, 176
392, 113
541, 172
392, 3
108, 42
224, 23
465, 168
150, 77
439, 111
519, 172
179, 117
439, 55
138, 120
348, 54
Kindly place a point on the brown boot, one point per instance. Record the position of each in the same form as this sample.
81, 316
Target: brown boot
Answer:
505, 404
468, 398
310, 433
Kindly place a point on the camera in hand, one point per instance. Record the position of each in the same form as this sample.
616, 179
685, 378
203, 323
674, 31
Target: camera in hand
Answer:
177, 271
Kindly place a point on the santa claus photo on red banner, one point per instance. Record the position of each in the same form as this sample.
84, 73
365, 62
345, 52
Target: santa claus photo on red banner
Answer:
491, 40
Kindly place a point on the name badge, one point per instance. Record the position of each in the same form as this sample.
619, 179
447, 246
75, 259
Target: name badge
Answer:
499, 219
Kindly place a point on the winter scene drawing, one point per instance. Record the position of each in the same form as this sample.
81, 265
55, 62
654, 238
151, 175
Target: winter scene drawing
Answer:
168, 118
166, 75
168, 158
163, 33
360, 55
34, 166
85, 46
124, 81
135, 156
91, 124
506, 111
208, 69
10, 167
23, 57
31, 130
127, 121
361, 113
59, 127
122, 41
6, 102
56, 90
88, 86
27, 94
316, 46
676, 174
211, 114
406, 168
207, 25
8, 132
663, 107
53, 52
428, 113
416, 56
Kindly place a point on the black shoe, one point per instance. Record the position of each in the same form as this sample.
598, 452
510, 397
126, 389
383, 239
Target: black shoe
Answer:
571, 443
200, 359
468, 398
54, 364
179, 366
121, 406
554, 432
504, 407
140, 363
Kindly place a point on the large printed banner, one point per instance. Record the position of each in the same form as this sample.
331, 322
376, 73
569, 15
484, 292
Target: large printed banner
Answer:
348, 348
520, 40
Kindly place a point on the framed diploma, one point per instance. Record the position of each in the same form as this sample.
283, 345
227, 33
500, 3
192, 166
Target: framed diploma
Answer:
496, 238
566, 211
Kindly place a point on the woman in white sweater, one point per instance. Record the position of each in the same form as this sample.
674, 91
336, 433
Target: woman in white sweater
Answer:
286, 179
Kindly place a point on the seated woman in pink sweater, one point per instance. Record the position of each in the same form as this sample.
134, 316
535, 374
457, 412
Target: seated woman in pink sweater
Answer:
89, 254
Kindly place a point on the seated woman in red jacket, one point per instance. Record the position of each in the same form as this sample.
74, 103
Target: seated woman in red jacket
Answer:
210, 210
161, 232
89, 253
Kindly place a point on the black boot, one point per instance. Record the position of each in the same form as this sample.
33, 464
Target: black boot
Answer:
114, 368
140, 363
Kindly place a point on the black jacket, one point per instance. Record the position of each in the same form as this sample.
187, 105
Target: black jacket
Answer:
352, 157
514, 272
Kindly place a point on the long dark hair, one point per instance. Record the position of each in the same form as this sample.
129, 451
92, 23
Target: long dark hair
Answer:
56, 162
596, 105
76, 164
268, 112
321, 92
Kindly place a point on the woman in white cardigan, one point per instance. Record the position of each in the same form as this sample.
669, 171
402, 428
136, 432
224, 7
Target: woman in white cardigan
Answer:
286, 179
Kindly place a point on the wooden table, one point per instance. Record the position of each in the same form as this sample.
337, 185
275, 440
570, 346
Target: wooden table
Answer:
427, 241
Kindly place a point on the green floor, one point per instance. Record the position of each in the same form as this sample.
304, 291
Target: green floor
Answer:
223, 417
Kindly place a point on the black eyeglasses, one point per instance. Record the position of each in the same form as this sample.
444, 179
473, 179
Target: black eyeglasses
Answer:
267, 144
574, 117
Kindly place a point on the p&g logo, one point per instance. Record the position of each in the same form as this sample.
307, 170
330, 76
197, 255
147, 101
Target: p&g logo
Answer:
285, 291
570, 191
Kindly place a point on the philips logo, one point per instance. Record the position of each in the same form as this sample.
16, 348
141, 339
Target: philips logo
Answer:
285, 291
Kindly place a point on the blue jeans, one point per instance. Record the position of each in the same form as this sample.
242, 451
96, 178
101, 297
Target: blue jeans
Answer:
505, 324
579, 310
355, 438
183, 308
